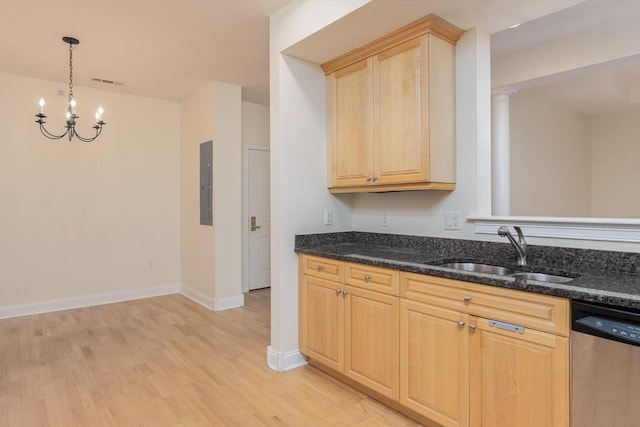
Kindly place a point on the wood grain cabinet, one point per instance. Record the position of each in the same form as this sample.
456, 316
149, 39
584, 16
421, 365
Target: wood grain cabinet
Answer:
352, 330
447, 352
460, 369
391, 111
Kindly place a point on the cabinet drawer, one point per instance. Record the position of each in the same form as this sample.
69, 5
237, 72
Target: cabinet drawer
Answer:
528, 309
373, 278
323, 268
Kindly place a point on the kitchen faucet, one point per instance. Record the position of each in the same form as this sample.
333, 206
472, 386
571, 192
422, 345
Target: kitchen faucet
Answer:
520, 245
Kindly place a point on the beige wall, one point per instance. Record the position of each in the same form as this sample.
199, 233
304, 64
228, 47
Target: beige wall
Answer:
550, 158
197, 126
255, 124
615, 180
227, 195
211, 255
82, 219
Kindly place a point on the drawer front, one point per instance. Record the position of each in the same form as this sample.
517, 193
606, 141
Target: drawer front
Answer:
324, 268
528, 309
376, 279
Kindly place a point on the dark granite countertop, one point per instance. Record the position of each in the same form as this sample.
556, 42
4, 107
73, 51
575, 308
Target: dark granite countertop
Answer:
606, 277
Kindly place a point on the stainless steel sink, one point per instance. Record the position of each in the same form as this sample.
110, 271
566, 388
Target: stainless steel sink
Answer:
505, 271
543, 277
479, 268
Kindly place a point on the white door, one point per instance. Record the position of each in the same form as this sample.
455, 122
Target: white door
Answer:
259, 222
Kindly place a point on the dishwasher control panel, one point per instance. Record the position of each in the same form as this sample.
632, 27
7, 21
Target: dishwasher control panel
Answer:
613, 328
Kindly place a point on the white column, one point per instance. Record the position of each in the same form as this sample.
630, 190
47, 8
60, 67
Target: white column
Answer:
500, 153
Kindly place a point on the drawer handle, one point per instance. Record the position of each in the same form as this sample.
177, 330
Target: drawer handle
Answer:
367, 277
467, 298
506, 326
461, 324
319, 268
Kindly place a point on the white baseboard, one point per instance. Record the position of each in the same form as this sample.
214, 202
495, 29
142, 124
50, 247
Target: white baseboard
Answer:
197, 296
85, 301
227, 303
284, 361
215, 304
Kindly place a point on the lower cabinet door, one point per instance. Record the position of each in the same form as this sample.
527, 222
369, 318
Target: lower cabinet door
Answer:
322, 321
434, 352
518, 379
371, 340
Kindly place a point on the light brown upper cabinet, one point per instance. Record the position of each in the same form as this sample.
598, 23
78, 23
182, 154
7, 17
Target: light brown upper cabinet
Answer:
391, 111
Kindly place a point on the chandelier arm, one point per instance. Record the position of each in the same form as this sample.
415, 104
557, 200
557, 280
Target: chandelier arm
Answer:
50, 135
98, 131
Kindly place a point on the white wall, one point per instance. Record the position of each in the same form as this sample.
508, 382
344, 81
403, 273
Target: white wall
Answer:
550, 158
298, 165
84, 219
614, 43
597, 46
615, 179
255, 124
211, 255
227, 195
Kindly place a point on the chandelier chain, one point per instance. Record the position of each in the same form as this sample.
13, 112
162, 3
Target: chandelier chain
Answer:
70, 72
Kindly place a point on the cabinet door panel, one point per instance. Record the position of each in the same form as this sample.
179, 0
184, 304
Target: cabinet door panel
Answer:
322, 322
401, 143
434, 352
350, 127
518, 379
371, 340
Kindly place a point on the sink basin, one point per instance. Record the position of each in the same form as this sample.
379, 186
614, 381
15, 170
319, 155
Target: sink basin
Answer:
479, 268
542, 277
474, 267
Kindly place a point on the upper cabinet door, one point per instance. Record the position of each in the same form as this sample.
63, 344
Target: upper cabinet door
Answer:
400, 92
391, 111
350, 125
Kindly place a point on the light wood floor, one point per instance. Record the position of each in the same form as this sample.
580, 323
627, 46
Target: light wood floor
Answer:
164, 361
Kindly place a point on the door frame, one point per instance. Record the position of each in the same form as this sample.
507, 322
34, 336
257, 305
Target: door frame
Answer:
245, 210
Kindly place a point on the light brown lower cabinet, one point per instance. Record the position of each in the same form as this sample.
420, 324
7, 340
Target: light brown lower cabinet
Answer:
351, 330
455, 358
434, 363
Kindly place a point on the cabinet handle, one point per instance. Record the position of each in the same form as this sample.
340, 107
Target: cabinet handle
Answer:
467, 298
506, 326
344, 293
338, 291
369, 179
367, 277
319, 268
472, 328
461, 323
375, 178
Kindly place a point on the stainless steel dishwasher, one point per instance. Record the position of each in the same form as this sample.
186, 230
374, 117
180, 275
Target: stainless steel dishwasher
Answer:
605, 366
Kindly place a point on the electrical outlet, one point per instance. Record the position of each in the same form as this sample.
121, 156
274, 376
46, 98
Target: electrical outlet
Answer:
453, 220
385, 220
328, 217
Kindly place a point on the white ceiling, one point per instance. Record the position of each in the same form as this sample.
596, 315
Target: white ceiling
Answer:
168, 48
158, 48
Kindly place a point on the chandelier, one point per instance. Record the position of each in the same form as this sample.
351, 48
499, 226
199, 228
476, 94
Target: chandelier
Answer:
71, 107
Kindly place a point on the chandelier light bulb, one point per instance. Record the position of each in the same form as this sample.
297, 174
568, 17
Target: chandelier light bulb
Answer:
41, 104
